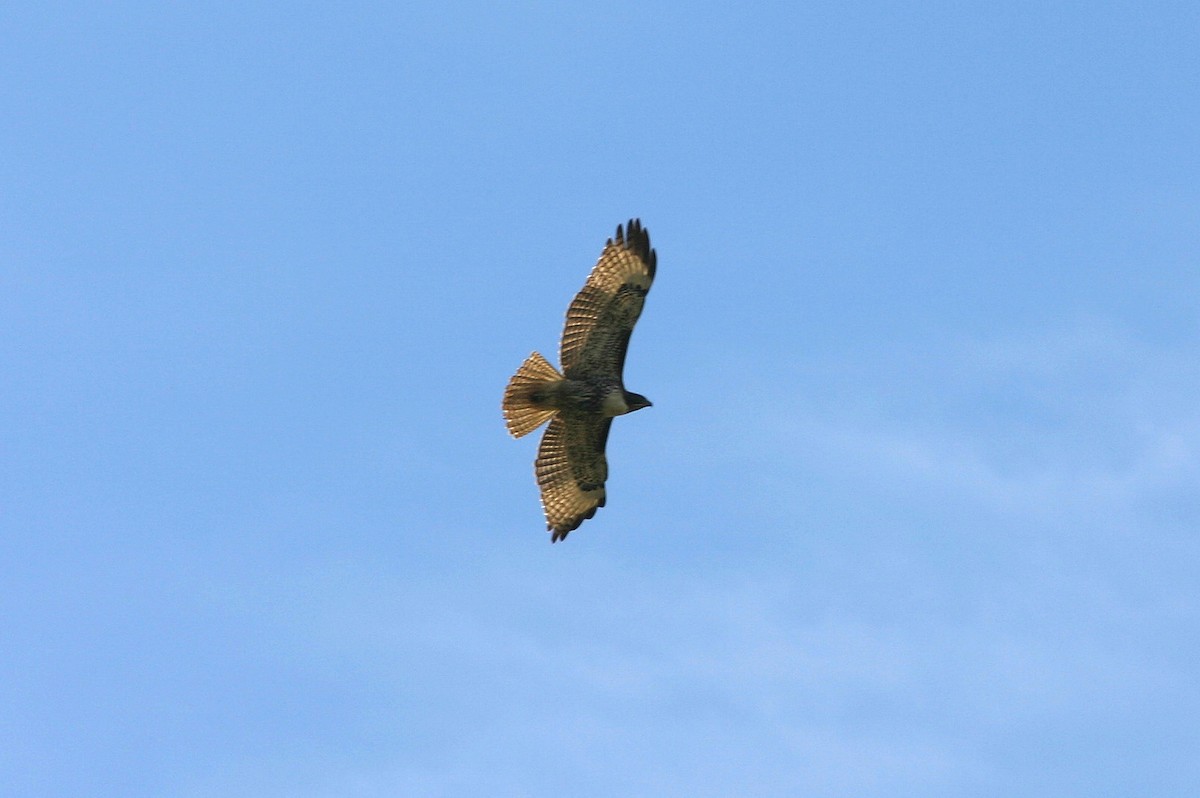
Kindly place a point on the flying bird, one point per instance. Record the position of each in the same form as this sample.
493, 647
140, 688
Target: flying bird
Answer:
581, 400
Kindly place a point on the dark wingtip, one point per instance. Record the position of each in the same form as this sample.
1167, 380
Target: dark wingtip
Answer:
560, 532
637, 238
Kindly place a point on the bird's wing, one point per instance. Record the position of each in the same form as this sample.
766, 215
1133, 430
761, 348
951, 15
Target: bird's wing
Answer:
571, 471
602, 315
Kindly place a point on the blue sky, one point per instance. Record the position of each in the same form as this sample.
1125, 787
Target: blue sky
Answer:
914, 512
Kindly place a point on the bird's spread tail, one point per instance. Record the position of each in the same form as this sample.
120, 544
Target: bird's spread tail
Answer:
525, 398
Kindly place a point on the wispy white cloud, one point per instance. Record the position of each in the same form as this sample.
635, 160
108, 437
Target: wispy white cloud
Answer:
904, 673
590, 681
1083, 421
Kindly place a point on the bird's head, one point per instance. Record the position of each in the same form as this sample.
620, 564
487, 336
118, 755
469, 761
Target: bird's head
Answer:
635, 401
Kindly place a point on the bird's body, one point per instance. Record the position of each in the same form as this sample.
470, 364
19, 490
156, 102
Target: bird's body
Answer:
586, 397
581, 401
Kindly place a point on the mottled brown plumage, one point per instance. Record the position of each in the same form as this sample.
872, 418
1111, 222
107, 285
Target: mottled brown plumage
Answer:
581, 401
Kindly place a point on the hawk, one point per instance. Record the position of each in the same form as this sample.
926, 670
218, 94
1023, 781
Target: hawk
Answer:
581, 401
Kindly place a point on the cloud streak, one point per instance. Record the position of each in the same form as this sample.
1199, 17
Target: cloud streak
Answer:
1079, 423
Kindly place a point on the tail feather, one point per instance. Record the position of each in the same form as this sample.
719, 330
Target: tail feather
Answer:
523, 413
